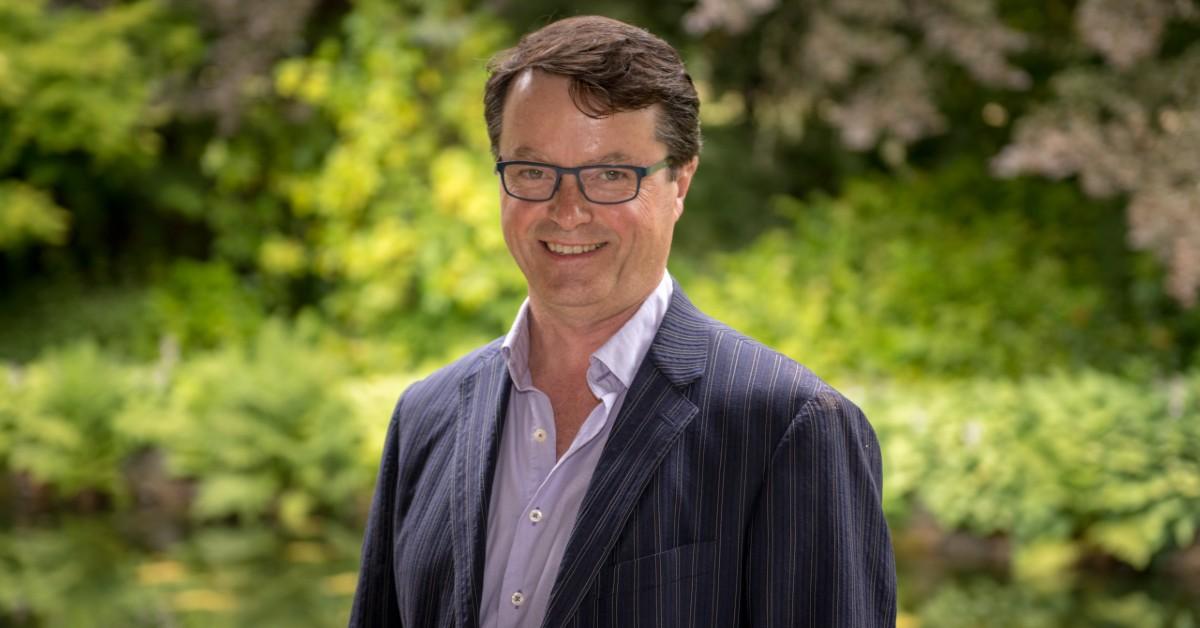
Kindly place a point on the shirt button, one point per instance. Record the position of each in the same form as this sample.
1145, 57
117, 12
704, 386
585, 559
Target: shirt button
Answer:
539, 435
535, 515
518, 598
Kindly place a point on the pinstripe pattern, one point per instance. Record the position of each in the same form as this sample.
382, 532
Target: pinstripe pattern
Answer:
736, 489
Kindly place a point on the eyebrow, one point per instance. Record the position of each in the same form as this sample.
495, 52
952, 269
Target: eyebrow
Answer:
615, 157
524, 152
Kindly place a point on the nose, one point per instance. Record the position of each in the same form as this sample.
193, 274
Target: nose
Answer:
568, 208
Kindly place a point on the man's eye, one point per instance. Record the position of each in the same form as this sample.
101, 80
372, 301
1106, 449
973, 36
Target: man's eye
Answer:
614, 175
532, 174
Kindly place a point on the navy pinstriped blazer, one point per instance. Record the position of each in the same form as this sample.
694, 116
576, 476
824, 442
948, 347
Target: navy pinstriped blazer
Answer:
736, 489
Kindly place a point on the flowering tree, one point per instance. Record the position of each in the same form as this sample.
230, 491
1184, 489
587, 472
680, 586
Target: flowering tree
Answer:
1107, 91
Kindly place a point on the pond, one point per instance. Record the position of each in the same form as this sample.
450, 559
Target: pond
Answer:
104, 572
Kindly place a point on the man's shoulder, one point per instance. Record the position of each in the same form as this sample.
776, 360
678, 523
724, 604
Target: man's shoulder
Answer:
765, 375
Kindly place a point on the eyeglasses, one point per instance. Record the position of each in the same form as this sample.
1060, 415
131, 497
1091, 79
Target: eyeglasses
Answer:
605, 184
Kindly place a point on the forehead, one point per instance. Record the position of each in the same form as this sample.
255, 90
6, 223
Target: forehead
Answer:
542, 122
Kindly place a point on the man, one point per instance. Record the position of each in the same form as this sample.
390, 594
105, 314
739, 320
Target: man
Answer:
618, 459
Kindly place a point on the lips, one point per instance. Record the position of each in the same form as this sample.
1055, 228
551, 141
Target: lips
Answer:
573, 249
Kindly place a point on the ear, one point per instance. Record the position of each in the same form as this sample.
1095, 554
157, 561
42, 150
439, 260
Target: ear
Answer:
683, 182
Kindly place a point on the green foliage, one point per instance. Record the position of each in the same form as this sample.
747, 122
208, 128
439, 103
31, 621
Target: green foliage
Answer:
29, 215
76, 80
265, 429
59, 420
82, 105
1060, 463
204, 305
401, 213
909, 279
9, 410
358, 184
275, 427
36, 316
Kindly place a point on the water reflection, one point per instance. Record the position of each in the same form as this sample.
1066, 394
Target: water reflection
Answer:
935, 595
82, 573
984, 602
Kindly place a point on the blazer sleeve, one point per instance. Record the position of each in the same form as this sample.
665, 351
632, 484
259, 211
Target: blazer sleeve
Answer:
820, 554
375, 597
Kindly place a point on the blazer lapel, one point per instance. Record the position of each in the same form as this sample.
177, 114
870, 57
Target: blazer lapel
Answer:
483, 399
653, 415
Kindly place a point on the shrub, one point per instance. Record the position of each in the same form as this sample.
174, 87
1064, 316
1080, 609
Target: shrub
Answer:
59, 419
266, 429
1062, 463
204, 304
889, 280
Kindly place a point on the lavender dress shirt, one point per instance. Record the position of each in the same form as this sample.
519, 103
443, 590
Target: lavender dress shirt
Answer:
535, 498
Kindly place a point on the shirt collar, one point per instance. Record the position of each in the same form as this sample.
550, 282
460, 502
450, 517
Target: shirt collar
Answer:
515, 349
620, 355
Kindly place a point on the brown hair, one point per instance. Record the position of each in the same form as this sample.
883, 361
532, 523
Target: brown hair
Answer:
613, 67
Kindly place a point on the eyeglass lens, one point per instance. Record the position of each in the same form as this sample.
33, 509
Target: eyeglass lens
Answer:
602, 184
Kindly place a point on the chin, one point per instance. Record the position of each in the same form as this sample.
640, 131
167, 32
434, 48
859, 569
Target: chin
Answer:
574, 293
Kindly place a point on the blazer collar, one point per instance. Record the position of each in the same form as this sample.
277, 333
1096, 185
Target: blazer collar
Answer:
680, 348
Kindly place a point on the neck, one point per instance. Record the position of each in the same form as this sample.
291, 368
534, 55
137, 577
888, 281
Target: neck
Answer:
553, 338
562, 341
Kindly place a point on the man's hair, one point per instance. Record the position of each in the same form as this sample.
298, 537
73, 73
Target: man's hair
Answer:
613, 67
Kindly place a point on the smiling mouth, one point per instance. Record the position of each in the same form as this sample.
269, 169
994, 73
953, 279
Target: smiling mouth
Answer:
572, 249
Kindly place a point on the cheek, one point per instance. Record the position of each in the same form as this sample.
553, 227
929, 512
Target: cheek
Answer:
654, 219
511, 230
513, 219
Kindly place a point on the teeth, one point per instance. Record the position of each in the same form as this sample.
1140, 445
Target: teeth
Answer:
562, 249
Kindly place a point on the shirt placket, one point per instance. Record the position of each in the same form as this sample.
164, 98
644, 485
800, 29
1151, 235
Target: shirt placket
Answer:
543, 504
538, 443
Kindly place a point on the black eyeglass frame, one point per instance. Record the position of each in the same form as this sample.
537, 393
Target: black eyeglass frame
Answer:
641, 171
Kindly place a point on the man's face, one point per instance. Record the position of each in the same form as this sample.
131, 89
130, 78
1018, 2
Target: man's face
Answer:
625, 246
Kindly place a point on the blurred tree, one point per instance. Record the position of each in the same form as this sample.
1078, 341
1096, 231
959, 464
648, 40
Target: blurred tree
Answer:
1129, 126
79, 111
353, 177
244, 40
882, 72
398, 215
